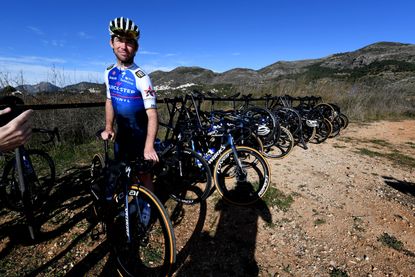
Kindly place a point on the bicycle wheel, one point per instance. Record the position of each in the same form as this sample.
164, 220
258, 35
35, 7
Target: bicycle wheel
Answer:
323, 130
282, 146
97, 165
96, 170
39, 180
336, 126
328, 111
290, 119
186, 175
97, 184
152, 248
264, 121
251, 175
345, 120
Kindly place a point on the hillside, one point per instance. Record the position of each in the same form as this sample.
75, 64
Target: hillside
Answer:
384, 58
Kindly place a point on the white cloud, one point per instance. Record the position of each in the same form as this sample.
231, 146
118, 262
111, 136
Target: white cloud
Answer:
101, 63
147, 53
31, 60
36, 30
54, 42
41, 69
151, 67
236, 54
84, 35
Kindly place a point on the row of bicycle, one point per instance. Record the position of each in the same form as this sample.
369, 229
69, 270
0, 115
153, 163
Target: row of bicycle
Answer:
227, 150
201, 151
273, 128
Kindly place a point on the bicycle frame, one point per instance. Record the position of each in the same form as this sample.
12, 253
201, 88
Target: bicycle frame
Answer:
125, 180
20, 154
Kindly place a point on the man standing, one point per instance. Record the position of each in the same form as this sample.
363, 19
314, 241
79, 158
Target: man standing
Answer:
131, 100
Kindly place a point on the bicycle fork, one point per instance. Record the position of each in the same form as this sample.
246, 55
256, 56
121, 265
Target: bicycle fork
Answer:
240, 171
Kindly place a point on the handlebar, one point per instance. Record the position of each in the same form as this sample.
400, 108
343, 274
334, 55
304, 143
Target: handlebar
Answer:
51, 133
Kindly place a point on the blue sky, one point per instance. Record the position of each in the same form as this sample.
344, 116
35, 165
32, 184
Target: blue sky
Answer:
66, 42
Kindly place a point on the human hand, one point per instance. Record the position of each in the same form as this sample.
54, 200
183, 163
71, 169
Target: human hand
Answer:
151, 154
108, 134
17, 132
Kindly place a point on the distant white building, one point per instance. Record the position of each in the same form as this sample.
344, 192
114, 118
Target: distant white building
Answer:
93, 90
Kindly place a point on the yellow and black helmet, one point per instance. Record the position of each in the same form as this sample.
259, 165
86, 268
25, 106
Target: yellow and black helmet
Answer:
124, 26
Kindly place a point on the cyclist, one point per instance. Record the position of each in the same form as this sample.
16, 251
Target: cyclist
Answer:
131, 100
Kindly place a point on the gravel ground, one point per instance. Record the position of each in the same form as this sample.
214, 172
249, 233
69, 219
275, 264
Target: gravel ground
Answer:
352, 214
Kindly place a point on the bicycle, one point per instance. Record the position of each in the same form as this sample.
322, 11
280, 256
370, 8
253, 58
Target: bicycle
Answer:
142, 246
241, 174
178, 162
27, 179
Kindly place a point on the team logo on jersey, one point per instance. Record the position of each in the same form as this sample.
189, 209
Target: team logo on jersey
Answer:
140, 74
114, 73
150, 92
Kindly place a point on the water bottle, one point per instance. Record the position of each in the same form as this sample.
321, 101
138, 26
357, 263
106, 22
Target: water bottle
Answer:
198, 163
209, 153
157, 145
145, 213
132, 209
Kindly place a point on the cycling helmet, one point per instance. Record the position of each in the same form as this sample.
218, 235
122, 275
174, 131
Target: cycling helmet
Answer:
124, 26
263, 130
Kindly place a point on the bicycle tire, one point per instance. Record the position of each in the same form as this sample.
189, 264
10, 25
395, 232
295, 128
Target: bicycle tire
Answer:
244, 191
290, 119
186, 175
266, 118
253, 141
324, 130
152, 249
96, 189
39, 185
345, 120
282, 146
336, 126
96, 169
328, 111
97, 165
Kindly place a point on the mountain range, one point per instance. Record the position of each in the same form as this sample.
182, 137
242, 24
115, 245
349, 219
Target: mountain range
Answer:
383, 57
387, 61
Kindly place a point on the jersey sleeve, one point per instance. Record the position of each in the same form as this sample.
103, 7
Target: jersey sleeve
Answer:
107, 87
147, 92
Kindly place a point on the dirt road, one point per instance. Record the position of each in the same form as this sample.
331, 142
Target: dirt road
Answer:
353, 212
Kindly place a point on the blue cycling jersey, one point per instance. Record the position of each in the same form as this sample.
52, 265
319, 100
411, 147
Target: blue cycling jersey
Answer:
131, 93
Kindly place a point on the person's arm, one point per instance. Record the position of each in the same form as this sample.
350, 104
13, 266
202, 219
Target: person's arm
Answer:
17, 132
108, 133
152, 128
